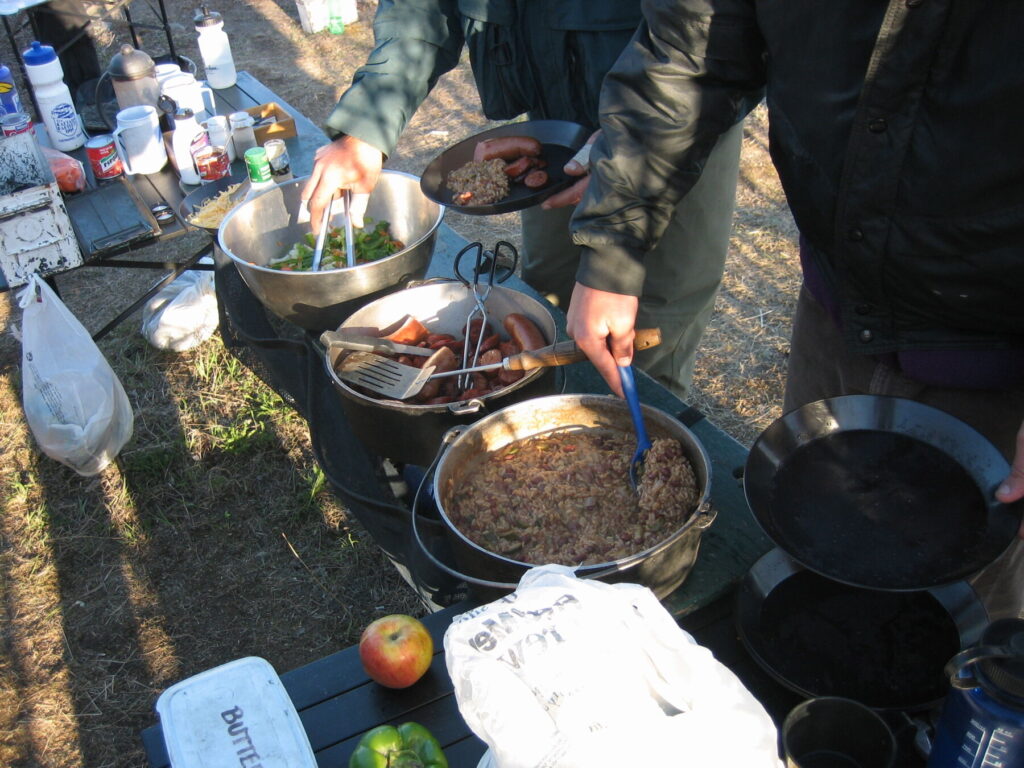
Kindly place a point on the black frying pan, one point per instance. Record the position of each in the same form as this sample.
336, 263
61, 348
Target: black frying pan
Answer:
880, 492
561, 140
819, 637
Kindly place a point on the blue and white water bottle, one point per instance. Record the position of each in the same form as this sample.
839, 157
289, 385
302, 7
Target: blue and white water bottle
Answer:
982, 720
56, 109
10, 102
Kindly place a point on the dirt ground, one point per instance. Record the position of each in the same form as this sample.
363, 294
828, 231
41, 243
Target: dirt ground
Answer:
215, 536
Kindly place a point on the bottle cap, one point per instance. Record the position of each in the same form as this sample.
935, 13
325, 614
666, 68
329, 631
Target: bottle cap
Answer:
207, 18
241, 120
38, 54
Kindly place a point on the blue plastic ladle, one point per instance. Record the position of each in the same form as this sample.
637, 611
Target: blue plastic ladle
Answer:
643, 443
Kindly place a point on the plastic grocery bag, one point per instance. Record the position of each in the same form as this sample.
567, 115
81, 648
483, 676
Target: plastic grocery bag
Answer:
183, 314
74, 403
576, 673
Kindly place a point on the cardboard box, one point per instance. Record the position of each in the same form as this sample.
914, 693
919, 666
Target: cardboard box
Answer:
272, 122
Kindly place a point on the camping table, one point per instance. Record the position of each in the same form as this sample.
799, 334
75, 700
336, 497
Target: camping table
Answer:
336, 701
110, 219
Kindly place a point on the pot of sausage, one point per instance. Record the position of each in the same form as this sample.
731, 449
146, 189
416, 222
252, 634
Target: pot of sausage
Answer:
410, 431
547, 481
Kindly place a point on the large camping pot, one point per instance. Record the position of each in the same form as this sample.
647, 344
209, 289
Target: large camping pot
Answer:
267, 226
662, 568
410, 433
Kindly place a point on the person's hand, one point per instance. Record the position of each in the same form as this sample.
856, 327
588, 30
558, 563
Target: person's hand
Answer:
345, 163
1012, 488
602, 324
579, 165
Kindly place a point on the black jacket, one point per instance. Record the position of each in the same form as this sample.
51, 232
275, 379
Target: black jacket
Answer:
896, 128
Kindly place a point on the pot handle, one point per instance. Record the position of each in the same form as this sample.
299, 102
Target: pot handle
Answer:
447, 439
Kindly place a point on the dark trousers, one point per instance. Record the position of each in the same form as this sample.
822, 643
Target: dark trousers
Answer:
60, 24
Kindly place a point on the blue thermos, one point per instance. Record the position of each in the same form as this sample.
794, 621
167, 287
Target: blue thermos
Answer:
982, 720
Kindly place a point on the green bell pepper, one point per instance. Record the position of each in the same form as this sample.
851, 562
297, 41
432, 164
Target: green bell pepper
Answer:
410, 745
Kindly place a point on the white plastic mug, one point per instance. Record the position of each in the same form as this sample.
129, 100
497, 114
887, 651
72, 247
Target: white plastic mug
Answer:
189, 92
138, 140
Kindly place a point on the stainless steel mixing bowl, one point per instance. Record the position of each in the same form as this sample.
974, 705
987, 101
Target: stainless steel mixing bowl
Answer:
267, 226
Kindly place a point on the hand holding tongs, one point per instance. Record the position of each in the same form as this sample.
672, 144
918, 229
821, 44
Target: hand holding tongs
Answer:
486, 261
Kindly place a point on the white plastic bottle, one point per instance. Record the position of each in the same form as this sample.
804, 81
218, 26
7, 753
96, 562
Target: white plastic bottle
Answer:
56, 108
188, 135
215, 49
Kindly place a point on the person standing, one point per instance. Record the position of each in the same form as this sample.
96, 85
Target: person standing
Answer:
543, 60
894, 131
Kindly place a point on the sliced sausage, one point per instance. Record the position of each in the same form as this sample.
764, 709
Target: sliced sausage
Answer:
518, 168
536, 179
506, 148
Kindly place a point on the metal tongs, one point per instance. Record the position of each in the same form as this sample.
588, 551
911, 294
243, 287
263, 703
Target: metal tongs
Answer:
321, 238
486, 261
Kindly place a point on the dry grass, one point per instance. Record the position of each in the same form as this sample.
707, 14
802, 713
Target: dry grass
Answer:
214, 535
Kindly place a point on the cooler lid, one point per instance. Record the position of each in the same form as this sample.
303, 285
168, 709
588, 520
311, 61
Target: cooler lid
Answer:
222, 715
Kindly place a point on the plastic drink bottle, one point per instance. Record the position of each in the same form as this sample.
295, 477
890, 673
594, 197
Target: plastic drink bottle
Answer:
188, 135
56, 109
215, 49
10, 101
982, 720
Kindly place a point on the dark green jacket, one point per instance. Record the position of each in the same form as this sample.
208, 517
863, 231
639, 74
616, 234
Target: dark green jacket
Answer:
545, 58
896, 131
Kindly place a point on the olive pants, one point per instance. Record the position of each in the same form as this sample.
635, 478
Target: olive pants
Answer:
820, 367
684, 270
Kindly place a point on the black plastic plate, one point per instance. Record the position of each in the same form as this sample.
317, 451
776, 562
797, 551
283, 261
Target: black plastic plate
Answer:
561, 140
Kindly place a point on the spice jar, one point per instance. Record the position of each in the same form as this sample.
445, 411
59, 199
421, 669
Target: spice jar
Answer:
242, 134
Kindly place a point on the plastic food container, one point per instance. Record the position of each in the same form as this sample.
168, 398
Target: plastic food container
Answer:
236, 714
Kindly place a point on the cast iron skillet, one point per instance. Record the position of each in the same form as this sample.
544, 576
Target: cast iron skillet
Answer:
201, 194
561, 140
818, 637
880, 492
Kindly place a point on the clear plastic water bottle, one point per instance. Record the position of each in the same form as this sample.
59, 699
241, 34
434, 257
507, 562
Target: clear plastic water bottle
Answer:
215, 49
982, 721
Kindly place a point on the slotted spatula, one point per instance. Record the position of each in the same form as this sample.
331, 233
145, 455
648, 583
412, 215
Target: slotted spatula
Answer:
391, 379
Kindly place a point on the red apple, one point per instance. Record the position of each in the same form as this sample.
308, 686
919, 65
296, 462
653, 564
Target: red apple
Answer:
396, 650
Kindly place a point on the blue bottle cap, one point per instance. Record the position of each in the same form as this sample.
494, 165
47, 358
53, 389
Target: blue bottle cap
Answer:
39, 54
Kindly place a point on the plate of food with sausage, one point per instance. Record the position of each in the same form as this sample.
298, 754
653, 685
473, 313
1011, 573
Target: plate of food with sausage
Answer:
504, 169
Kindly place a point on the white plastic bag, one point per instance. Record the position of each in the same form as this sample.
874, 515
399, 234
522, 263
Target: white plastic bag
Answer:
576, 673
183, 314
74, 403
